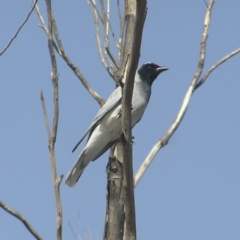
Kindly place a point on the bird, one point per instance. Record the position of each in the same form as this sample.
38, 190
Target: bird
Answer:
106, 128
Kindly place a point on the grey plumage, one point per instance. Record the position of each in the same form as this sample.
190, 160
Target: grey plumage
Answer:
106, 128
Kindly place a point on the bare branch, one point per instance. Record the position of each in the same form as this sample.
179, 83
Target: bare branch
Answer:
45, 114
62, 53
112, 57
108, 18
119, 13
107, 25
120, 40
44, 27
74, 234
164, 140
74, 68
96, 16
10, 42
224, 59
105, 20
205, 3
21, 218
96, 9
37, 10
103, 11
112, 32
52, 139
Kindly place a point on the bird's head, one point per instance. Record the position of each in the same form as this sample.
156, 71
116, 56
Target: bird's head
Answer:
149, 71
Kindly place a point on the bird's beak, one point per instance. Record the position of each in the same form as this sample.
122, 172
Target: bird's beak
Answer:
161, 69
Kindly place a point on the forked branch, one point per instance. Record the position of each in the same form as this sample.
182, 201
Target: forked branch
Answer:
209, 71
195, 84
60, 50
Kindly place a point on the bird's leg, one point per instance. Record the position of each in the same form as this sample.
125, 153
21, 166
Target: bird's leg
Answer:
124, 135
121, 83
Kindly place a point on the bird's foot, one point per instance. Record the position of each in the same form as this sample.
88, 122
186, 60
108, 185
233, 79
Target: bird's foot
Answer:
132, 142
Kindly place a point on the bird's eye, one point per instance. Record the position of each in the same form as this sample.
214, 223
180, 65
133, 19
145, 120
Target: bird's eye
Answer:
149, 67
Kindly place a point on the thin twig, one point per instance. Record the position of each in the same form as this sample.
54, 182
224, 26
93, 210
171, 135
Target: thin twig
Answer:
106, 29
205, 3
21, 218
106, 26
74, 234
105, 20
10, 42
121, 27
121, 40
102, 58
44, 27
109, 63
103, 11
112, 32
75, 69
112, 57
37, 10
164, 140
96, 9
224, 59
45, 115
119, 13
102, 18
108, 19
96, 17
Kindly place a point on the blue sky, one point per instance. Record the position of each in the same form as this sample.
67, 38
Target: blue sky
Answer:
191, 190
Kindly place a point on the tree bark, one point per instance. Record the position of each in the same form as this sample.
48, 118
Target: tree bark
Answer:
120, 216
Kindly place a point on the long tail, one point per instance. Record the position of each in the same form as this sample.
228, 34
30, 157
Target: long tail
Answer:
77, 170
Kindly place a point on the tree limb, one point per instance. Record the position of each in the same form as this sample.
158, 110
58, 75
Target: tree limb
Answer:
194, 86
164, 140
136, 14
52, 139
21, 218
120, 194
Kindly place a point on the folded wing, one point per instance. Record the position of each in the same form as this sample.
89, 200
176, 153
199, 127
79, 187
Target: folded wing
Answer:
114, 99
